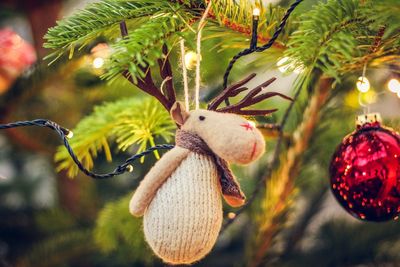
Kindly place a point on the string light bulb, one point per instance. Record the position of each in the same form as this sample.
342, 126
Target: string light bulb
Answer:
394, 86
256, 12
99, 53
190, 60
363, 84
70, 134
98, 62
231, 215
129, 168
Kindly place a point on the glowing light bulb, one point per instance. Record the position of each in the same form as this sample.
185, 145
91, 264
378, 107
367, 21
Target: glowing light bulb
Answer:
363, 84
231, 215
190, 60
256, 12
98, 62
394, 86
70, 134
129, 168
398, 94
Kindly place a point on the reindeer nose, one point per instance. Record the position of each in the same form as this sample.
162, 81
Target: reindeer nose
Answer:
248, 126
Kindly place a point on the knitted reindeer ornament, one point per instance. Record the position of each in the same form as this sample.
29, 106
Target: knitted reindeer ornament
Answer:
180, 196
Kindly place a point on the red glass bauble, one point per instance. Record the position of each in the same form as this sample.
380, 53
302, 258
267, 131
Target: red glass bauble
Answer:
365, 173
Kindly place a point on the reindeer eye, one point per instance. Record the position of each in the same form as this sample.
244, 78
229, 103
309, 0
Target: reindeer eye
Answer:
202, 118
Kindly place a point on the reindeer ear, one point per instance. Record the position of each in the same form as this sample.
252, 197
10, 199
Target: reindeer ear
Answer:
179, 113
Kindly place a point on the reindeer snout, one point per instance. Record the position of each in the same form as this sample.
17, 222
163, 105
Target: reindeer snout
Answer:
253, 143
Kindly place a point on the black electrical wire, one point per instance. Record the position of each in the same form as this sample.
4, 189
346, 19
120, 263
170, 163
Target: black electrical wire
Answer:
64, 133
253, 49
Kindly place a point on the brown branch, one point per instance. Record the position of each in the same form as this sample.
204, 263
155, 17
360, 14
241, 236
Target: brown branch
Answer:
289, 169
375, 46
146, 84
378, 39
166, 72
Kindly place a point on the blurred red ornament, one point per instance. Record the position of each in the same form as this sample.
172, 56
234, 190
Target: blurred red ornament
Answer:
16, 55
365, 171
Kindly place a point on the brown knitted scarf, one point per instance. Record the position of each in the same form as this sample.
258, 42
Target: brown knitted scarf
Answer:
195, 144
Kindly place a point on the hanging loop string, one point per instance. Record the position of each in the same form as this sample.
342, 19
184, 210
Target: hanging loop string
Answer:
202, 23
184, 74
360, 100
261, 48
65, 134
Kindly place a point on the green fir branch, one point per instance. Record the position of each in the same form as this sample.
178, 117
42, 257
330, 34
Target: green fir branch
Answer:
97, 19
118, 231
326, 36
142, 47
386, 12
129, 122
338, 36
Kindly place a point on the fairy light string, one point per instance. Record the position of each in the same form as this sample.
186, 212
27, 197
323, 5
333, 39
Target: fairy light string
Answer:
66, 134
253, 48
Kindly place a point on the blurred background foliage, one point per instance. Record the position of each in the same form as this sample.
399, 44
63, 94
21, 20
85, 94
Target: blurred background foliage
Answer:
49, 219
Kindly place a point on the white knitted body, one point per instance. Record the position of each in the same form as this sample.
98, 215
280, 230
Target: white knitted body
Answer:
183, 221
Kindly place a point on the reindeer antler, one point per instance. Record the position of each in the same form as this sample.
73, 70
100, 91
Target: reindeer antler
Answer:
146, 83
250, 99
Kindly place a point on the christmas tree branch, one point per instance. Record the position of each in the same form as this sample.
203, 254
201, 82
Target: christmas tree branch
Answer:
99, 19
128, 121
281, 185
146, 84
142, 46
313, 207
166, 74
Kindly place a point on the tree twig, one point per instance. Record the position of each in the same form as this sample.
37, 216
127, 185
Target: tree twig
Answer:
166, 72
146, 83
288, 171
